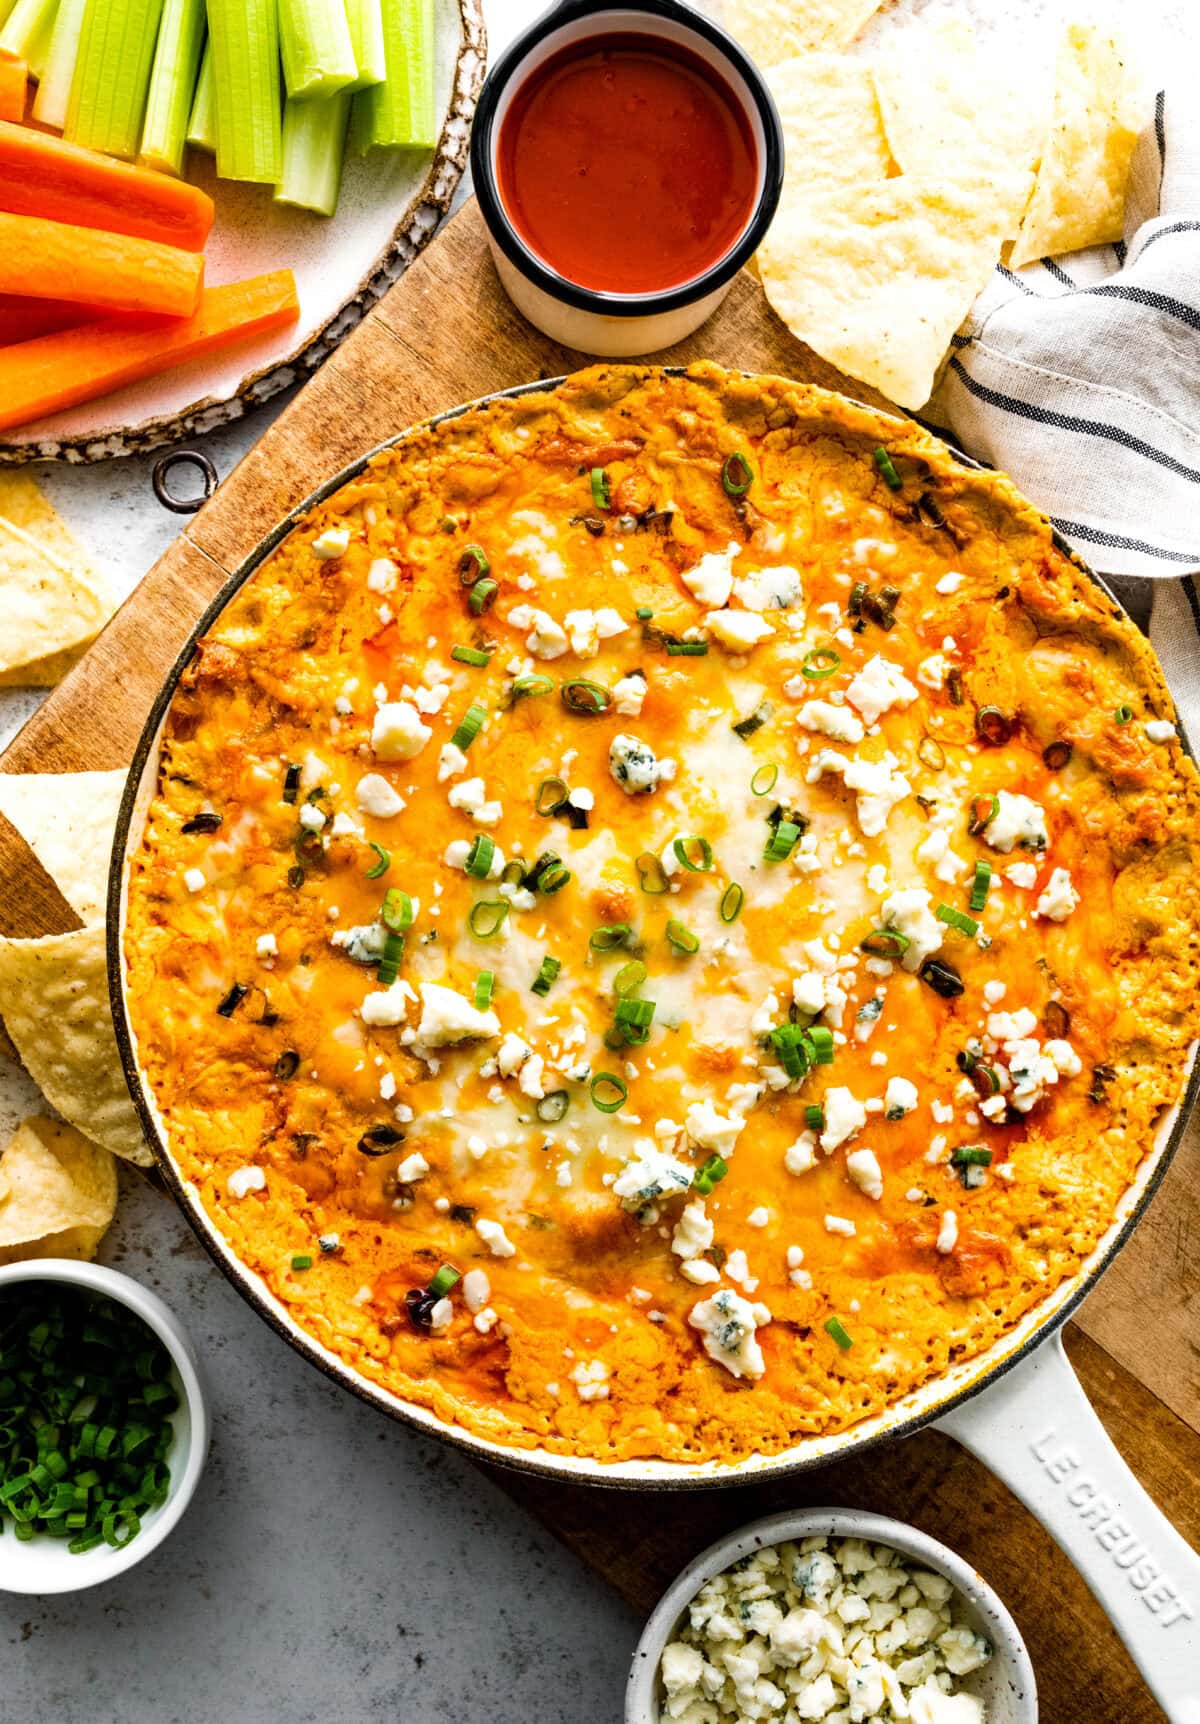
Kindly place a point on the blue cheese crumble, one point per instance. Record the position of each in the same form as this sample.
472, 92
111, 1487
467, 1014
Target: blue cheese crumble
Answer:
835, 1630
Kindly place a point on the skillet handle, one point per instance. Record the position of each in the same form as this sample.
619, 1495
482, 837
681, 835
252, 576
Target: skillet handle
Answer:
1036, 1429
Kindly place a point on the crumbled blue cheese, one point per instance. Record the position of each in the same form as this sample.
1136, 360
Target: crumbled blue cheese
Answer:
495, 1238
1059, 897
194, 879
586, 629
471, 796
382, 575
451, 762
729, 1325
591, 1380
331, 543
708, 1129
376, 797
778, 589
947, 1237
844, 1115
932, 671
710, 581
692, 1237
835, 721
628, 694
800, 1156
863, 1167
878, 785
936, 853
1018, 821
907, 912
650, 1175
243, 1180
545, 640
1159, 730
635, 766
363, 944
822, 1629
397, 733
738, 631
879, 686
388, 1006
446, 1017
899, 1098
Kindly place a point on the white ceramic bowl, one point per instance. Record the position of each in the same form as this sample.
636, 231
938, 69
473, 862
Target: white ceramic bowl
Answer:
1005, 1683
45, 1565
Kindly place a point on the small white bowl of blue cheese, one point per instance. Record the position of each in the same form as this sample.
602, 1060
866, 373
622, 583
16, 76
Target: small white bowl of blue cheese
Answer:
830, 1616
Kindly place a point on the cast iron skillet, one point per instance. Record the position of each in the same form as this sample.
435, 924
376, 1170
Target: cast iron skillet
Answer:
1018, 1405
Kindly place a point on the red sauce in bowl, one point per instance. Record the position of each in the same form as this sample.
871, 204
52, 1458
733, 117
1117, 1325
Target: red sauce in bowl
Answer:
627, 164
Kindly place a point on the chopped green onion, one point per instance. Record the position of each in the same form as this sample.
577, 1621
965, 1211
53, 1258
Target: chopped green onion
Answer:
694, 853
532, 685
471, 655
480, 855
291, 783
473, 565
814, 1116
397, 910
382, 863
732, 899
446, 1278
585, 697
821, 1042
629, 977
984, 810
993, 726
836, 1329
609, 936
746, 727
931, 754
782, 842
821, 662
885, 943
981, 885
553, 1106
547, 973
302, 1261
553, 878
601, 493
487, 917
1123, 714
652, 876
854, 603
971, 1155
389, 964
232, 1000
481, 595
682, 938
551, 794
643, 613
765, 779
793, 1048
485, 981
608, 1092
633, 1018
957, 919
737, 475
709, 1174
687, 649
469, 726
1057, 755
887, 471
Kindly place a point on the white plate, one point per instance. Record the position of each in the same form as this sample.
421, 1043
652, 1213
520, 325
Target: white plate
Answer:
389, 209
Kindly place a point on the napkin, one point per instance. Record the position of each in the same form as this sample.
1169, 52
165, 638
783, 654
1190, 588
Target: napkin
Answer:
1080, 376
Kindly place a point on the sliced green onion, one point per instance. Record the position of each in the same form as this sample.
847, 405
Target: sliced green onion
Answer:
854, 603
633, 1016
993, 726
532, 685
694, 853
765, 779
232, 1000
652, 876
471, 655
291, 783
302, 1261
480, 856
608, 1092
984, 810
814, 1116
446, 1278
836, 1329
709, 1174
609, 936
551, 794
971, 1155
469, 726
820, 1040
981, 885
887, 470
389, 964
397, 910
732, 899
885, 943
746, 727
629, 977
553, 1106
547, 973
382, 863
1123, 714
682, 938
782, 842
931, 754
481, 596
793, 1049
473, 565
487, 917
737, 475
957, 919
687, 649
553, 878
485, 981
643, 613
585, 697
821, 662
601, 492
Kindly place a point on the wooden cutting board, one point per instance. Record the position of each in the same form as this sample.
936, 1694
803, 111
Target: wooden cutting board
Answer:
443, 335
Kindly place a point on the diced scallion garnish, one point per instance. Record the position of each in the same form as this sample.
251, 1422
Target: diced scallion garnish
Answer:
633, 1018
480, 855
610, 936
381, 864
984, 810
481, 596
551, 794
608, 1092
710, 1174
601, 493
471, 655
981, 885
957, 919
553, 1106
732, 899
396, 911
682, 938
814, 1116
389, 964
487, 917
836, 1329
585, 697
446, 1278
291, 783
737, 475
629, 978
782, 842
821, 662
485, 981
887, 470
302, 1261
473, 565
1123, 714
469, 726
746, 727
821, 1042
547, 974
553, 878
687, 649
765, 779
652, 876
532, 685
694, 852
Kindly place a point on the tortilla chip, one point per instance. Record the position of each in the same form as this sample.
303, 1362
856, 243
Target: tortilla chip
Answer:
1079, 195
774, 30
877, 279
952, 111
58, 1193
53, 603
67, 819
833, 133
54, 1002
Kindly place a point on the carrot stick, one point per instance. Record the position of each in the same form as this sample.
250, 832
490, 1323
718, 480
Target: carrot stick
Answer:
45, 176
14, 76
52, 260
24, 319
59, 371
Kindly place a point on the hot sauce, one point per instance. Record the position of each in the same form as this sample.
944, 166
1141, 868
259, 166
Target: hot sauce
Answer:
627, 164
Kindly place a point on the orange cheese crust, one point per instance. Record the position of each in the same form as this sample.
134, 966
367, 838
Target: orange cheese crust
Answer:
612, 1309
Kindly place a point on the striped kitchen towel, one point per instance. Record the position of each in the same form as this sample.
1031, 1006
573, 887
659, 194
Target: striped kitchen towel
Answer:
1080, 376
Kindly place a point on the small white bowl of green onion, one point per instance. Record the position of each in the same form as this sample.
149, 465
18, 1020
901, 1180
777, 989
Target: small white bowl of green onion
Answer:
104, 1424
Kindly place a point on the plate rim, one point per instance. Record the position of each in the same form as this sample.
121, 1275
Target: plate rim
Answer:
411, 234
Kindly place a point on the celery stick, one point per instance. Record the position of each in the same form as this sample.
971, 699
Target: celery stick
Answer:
172, 85
399, 114
245, 54
366, 32
314, 40
112, 75
28, 31
6, 7
202, 126
54, 91
314, 143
